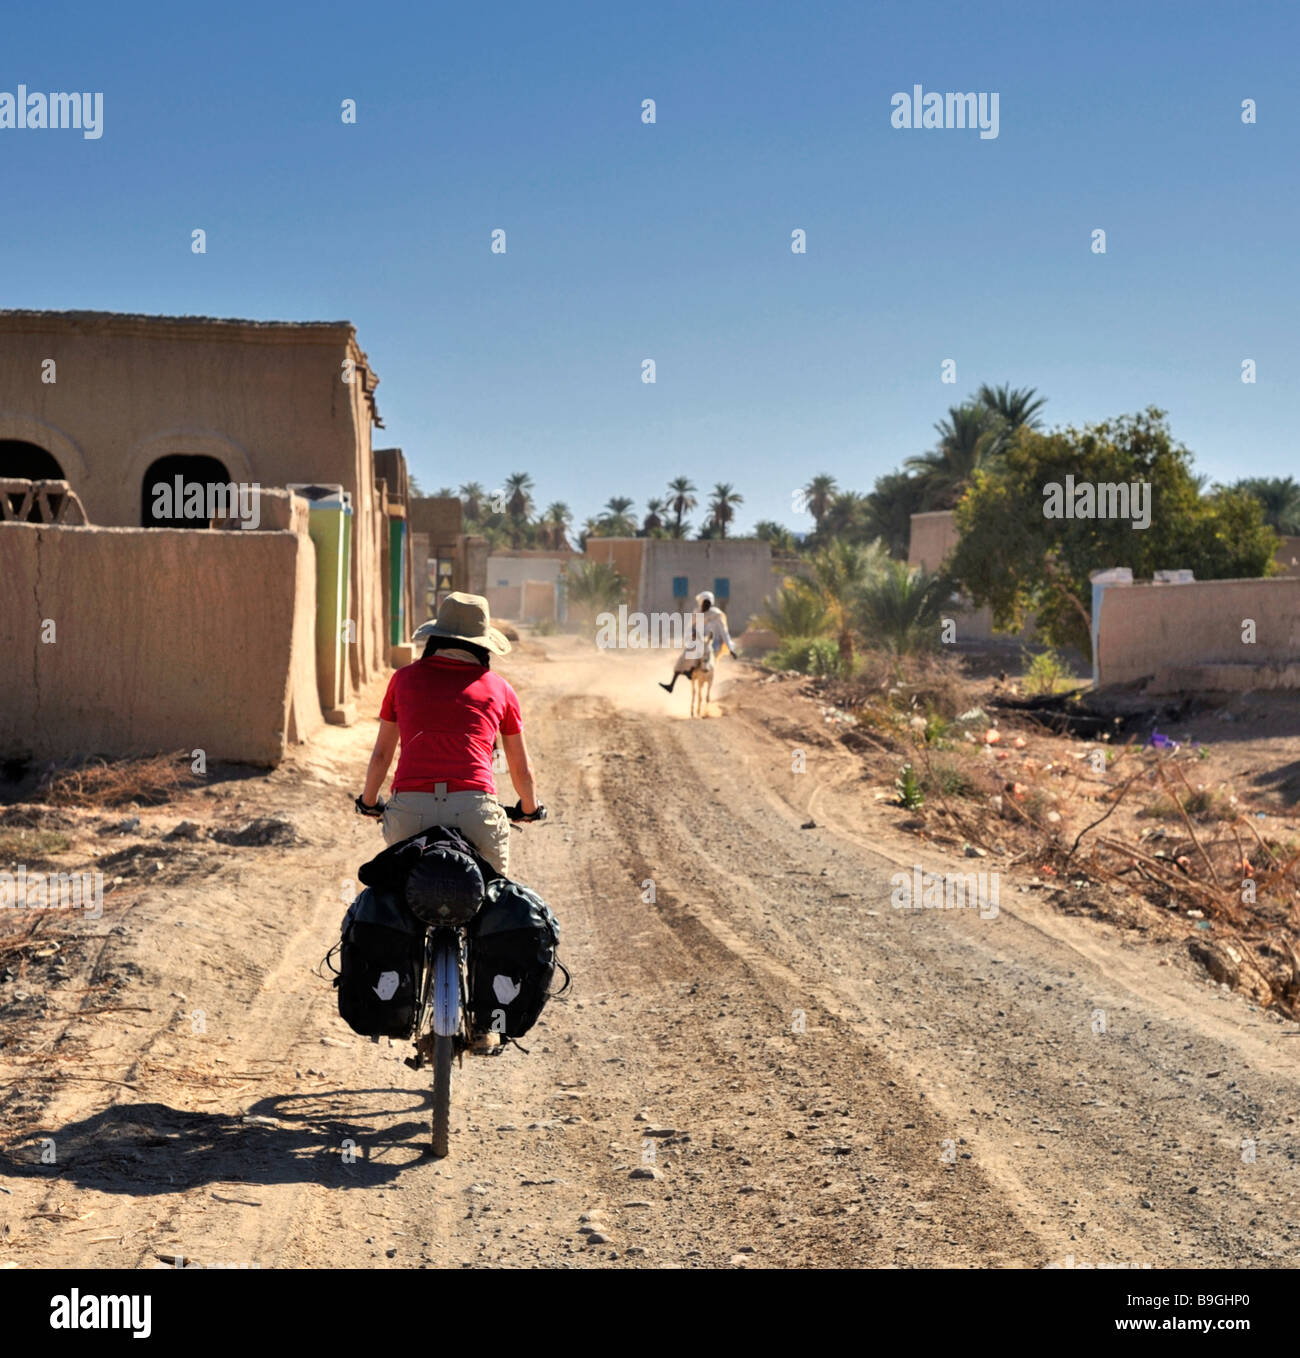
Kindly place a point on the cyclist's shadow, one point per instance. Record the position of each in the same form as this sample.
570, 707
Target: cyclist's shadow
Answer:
319, 1137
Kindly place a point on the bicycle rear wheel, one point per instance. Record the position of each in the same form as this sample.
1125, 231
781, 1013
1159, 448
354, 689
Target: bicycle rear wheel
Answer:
443, 1055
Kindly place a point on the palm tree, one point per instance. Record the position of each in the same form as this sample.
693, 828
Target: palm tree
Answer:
592, 587
681, 500
970, 440
1014, 407
903, 607
1280, 498
845, 517
817, 496
519, 502
840, 571
555, 525
590, 529
445, 493
889, 509
722, 507
616, 522
796, 611
776, 535
471, 494
653, 521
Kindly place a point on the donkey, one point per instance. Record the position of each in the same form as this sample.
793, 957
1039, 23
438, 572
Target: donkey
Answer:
702, 683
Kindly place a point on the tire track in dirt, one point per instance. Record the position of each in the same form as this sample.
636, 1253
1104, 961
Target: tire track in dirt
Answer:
675, 1055
1154, 1168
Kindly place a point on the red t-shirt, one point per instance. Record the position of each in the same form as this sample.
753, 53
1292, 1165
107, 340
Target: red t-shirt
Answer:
448, 713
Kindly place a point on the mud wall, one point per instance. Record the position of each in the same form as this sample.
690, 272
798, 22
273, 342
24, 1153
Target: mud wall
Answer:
119, 641
933, 538
1150, 631
275, 403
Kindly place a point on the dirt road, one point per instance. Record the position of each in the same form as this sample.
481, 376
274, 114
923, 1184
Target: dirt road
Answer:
760, 1062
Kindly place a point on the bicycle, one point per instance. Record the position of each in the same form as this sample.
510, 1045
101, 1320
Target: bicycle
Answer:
444, 1029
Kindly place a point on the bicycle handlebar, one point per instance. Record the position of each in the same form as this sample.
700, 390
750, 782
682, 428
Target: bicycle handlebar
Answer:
516, 813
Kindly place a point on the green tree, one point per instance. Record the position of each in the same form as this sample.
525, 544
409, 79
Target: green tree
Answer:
797, 611
592, 587
471, 495
555, 525
845, 519
681, 500
817, 496
1014, 558
901, 607
1279, 497
652, 526
889, 509
722, 507
519, 504
1014, 406
970, 441
840, 571
615, 521
776, 535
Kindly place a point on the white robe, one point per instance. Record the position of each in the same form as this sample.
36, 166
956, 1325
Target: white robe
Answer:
706, 630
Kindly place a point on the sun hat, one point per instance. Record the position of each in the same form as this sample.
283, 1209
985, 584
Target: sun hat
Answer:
464, 617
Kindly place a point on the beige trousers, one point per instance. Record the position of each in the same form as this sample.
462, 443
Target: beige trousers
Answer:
477, 815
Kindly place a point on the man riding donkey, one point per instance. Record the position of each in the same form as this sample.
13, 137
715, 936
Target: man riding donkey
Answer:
707, 635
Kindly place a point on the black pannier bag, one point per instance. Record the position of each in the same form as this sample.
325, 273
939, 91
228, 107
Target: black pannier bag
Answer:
381, 956
513, 941
437, 872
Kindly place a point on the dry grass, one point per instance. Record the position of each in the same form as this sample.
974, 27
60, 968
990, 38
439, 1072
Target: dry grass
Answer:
1202, 861
148, 781
884, 686
30, 846
1205, 804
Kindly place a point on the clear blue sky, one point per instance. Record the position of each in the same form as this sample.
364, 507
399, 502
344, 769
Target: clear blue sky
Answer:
672, 241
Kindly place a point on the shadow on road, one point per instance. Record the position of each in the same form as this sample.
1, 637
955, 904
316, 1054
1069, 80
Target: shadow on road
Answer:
1285, 781
147, 1148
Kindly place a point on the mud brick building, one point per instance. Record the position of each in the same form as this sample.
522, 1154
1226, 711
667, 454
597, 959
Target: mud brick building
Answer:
170, 633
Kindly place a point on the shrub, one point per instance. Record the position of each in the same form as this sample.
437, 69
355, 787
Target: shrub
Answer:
901, 608
818, 656
1044, 672
936, 728
948, 777
908, 787
795, 611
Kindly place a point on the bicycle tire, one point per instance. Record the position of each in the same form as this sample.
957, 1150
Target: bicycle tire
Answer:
443, 1055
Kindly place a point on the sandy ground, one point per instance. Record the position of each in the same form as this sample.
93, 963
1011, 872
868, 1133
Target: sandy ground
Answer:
760, 1063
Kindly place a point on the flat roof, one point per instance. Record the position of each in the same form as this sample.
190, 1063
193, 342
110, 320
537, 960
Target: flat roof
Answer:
137, 318
200, 327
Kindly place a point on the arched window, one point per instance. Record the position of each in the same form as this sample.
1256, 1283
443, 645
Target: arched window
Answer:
28, 461
168, 498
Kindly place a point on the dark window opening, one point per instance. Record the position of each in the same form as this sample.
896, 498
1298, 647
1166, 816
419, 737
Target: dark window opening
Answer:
29, 462
169, 498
